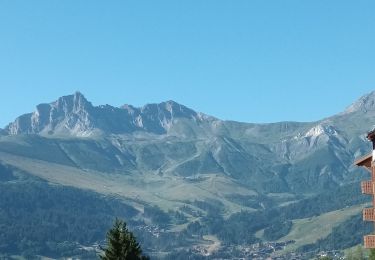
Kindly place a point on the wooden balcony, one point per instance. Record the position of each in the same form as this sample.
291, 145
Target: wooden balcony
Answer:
367, 187
369, 241
368, 214
365, 161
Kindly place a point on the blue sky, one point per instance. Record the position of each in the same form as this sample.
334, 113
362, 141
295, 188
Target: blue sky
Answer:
245, 60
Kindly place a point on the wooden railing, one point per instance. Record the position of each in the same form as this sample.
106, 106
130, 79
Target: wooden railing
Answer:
367, 187
368, 214
369, 241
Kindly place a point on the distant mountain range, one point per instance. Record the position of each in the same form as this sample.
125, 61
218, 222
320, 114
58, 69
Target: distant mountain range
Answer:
171, 156
75, 116
182, 142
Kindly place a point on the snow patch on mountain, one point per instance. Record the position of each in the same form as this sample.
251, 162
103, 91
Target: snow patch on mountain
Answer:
319, 130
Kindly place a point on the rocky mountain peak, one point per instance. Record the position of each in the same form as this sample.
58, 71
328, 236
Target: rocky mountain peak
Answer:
169, 109
67, 114
75, 115
72, 103
364, 104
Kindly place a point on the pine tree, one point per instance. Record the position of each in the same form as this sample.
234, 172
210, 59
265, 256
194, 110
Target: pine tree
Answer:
121, 244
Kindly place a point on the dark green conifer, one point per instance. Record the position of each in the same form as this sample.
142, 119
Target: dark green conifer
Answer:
121, 244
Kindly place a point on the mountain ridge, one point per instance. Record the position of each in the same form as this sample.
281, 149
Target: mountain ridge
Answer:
212, 145
364, 104
75, 115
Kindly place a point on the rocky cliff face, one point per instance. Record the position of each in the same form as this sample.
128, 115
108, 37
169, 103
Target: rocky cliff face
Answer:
75, 116
69, 114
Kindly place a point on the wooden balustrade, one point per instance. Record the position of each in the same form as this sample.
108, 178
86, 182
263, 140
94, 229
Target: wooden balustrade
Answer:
369, 241
367, 187
369, 214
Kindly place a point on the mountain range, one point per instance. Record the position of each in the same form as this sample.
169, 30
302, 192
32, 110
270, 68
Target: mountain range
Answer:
175, 160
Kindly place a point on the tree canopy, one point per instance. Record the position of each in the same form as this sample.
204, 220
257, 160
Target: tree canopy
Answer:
121, 244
